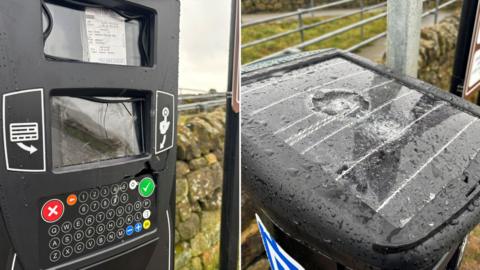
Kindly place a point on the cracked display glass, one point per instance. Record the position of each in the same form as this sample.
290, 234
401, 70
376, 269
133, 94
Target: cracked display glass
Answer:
93, 129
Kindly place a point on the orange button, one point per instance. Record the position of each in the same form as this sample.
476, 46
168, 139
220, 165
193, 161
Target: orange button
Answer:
72, 199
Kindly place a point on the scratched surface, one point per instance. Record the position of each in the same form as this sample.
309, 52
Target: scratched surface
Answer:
393, 147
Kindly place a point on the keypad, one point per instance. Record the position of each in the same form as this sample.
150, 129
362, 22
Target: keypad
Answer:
96, 219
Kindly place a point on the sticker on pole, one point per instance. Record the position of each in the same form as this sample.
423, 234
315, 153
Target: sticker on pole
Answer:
472, 77
278, 258
164, 121
23, 131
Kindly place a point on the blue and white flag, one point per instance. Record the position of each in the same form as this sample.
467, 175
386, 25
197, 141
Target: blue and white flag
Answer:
278, 258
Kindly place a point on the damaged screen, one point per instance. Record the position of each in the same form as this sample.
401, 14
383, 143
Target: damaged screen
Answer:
92, 129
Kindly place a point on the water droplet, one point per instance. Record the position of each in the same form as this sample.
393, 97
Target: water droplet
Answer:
292, 171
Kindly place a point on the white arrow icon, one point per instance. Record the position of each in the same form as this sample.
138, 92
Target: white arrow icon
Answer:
31, 149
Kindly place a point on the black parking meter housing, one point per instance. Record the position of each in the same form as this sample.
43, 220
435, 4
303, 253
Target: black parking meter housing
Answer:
89, 133
350, 163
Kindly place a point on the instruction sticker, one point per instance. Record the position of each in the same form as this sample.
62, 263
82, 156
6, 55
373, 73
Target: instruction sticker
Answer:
105, 36
23, 131
164, 122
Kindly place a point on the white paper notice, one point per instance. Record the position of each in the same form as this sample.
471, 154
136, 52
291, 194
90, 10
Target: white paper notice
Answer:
475, 71
105, 36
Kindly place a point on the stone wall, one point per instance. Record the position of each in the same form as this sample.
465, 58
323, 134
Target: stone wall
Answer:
257, 6
199, 182
437, 52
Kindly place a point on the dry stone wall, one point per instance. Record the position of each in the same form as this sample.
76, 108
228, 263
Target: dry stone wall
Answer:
437, 52
199, 189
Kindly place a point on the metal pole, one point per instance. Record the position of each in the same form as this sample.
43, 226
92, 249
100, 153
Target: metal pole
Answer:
403, 35
300, 25
362, 6
437, 10
230, 219
464, 39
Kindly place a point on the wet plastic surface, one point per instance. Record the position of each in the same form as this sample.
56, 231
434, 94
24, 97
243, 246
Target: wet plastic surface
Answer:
339, 151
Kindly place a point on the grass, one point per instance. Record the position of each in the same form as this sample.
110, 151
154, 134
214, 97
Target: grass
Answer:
342, 41
471, 258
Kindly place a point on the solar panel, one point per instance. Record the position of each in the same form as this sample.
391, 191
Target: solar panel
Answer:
333, 138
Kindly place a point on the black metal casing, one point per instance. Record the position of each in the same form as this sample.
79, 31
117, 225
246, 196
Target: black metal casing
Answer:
23, 66
390, 184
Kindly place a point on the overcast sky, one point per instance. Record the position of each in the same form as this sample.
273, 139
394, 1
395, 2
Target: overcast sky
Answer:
204, 42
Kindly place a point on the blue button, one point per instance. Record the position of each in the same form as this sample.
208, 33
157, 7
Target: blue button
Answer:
129, 230
138, 227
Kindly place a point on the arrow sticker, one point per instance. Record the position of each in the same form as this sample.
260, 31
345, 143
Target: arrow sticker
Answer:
24, 130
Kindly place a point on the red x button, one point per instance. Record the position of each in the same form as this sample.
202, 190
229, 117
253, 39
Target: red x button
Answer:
52, 210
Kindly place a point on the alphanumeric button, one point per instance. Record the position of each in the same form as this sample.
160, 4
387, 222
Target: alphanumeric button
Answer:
90, 243
89, 232
129, 219
115, 189
83, 197
67, 239
83, 209
120, 222
104, 191
55, 255
110, 225
78, 223
79, 247
110, 236
89, 220
78, 236
105, 203
120, 211
120, 233
147, 203
66, 226
137, 206
129, 208
94, 194
94, 206
100, 228
54, 243
138, 216
100, 240
53, 230
67, 251
146, 214
124, 186
100, 217
115, 200
110, 214
124, 198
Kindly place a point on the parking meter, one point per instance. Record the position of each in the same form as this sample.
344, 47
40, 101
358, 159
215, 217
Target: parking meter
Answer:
353, 166
89, 93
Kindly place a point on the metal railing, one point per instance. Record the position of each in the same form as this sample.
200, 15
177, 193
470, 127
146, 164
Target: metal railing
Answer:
302, 27
359, 24
296, 13
206, 102
202, 106
183, 98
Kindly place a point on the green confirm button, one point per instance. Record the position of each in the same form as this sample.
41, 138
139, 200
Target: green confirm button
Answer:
146, 187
